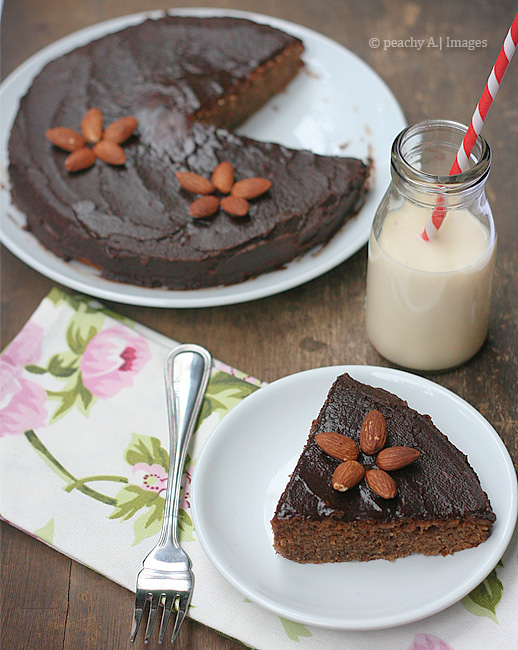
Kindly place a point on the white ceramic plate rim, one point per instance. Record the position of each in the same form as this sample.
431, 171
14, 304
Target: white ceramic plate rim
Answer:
377, 98
266, 465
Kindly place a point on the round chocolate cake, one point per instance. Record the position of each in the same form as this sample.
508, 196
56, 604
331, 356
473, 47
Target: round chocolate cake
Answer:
189, 82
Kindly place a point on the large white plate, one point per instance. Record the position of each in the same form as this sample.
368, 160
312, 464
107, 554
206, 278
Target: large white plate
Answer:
244, 467
336, 106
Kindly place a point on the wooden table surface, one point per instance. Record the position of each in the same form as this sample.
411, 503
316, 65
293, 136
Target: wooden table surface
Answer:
50, 601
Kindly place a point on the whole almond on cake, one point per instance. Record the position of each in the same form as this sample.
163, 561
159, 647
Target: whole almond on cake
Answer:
64, 138
235, 206
393, 458
251, 188
373, 433
204, 207
120, 130
347, 475
109, 152
192, 182
92, 125
79, 160
381, 483
223, 177
336, 445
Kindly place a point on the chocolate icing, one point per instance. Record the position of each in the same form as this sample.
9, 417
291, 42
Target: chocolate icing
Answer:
133, 222
439, 485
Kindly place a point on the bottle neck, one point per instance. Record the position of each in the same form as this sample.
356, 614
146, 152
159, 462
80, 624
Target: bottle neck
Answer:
421, 158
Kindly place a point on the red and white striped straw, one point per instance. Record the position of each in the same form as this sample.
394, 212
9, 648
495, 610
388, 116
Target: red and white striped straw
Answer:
477, 122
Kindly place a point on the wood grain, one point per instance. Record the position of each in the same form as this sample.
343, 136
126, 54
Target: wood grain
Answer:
50, 602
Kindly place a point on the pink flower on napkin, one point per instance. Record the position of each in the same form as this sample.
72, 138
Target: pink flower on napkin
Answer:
25, 408
424, 641
112, 359
23, 401
24, 349
152, 477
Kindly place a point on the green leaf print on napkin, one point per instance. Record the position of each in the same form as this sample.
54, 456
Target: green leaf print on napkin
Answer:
78, 301
185, 527
131, 499
150, 522
82, 327
294, 630
483, 600
224, 392
63, 364
146, 449
73, 394
46, 533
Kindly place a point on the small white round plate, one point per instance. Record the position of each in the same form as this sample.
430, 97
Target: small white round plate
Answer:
337, 105
244, 467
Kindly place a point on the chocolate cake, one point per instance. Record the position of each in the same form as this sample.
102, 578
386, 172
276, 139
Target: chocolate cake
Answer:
439, 507
190, 82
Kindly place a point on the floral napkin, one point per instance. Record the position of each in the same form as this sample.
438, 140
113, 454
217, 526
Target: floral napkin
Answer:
83, 424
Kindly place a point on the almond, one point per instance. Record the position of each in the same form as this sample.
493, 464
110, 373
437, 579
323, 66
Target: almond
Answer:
336, 445
79, 159
373, 433
92, 125
205, 206
64, 138
195, 183
250, 188
223, 177
396, 457
120, 130
109, 152
347, 475
235, 206
381, 483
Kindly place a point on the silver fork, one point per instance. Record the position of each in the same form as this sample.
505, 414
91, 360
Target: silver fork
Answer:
166, 578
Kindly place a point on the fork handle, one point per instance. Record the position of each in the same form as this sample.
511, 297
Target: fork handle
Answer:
187, 370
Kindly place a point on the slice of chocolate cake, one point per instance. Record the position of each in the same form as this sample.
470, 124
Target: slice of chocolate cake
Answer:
188, 81
330, 515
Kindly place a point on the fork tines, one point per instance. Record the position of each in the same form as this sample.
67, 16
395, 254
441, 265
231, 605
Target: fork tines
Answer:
168, 601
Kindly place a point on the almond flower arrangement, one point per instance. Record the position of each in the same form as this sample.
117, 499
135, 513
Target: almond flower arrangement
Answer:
238, 194
106, 142
373, 438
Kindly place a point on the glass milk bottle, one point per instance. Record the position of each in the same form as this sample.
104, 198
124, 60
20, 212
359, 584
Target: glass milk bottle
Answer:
427, 302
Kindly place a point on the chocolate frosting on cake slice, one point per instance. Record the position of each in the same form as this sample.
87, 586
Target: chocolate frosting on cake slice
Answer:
188, 81
439, 508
